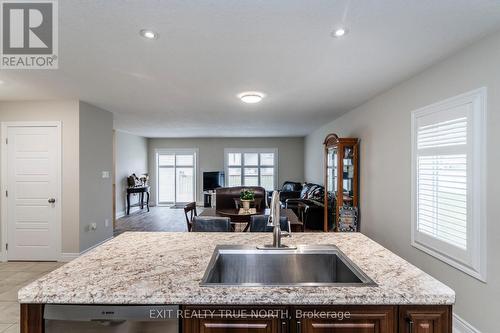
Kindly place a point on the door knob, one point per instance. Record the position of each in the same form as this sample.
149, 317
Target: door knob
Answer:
52, 200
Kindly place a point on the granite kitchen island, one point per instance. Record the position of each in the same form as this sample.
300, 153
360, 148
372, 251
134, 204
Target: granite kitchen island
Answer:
166, 269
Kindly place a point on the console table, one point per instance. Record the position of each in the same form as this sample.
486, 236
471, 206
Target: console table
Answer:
141, 190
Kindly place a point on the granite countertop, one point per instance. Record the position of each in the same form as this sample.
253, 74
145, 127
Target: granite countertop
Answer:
166, 268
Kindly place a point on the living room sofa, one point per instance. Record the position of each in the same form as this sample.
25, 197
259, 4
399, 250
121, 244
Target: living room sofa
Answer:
309, 206
226, 197
289, 190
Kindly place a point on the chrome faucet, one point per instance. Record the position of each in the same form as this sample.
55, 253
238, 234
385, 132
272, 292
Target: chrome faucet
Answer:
274, 221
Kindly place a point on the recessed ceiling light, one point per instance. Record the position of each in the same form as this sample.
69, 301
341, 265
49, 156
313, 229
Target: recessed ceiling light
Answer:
251, 97
339, 32
148, 34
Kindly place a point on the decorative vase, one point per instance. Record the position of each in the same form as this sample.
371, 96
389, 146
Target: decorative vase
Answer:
246, 204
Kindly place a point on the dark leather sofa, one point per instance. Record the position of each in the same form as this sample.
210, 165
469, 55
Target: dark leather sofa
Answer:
309, 206
288, 190
225, 196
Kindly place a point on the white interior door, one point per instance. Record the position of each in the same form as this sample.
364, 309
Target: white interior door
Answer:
33, 192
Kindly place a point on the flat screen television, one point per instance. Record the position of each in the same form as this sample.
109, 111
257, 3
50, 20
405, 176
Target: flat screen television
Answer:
213, 180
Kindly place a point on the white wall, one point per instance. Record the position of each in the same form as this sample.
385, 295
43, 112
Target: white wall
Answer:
131, 157
211, 155
383, 124
67, 113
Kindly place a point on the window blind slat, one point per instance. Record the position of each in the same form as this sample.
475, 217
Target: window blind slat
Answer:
442, 134
442, 181
456, 231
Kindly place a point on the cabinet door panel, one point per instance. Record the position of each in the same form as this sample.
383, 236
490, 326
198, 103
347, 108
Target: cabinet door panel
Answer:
380, 319
235, 319
353, 327
425, 319
236, 326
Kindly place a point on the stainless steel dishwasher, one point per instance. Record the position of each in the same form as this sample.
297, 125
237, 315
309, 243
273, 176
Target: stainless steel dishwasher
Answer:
111, 319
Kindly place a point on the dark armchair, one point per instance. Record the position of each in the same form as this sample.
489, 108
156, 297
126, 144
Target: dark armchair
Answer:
288, 190
309, 206
225, 196
312, 215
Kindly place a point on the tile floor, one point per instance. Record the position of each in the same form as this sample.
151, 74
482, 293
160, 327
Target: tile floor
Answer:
14, 275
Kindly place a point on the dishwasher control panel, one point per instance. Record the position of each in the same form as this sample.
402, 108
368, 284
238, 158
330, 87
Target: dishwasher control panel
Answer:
111, 318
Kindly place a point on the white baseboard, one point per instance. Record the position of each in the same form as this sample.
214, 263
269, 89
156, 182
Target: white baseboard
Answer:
461, 326
67, 256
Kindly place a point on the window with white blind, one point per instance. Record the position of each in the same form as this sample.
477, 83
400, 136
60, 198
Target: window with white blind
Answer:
251, 167
447, 181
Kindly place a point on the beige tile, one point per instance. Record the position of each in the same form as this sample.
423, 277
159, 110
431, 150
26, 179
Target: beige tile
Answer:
15, 275
5, 287
9, 293
13, 329
12, 278
44, 266
4, 327
9, 312
16, 266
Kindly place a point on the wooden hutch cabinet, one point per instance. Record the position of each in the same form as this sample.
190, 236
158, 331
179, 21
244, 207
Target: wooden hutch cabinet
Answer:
341, 178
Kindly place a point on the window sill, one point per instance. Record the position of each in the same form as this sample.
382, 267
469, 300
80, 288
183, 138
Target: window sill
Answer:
479, 274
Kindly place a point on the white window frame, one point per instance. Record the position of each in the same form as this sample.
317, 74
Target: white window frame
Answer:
227, 151
472, 261
160, 151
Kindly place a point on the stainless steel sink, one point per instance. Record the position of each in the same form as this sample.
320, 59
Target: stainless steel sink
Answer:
318, 265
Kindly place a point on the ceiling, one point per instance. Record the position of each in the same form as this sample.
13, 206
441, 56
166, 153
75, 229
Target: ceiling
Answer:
184, 84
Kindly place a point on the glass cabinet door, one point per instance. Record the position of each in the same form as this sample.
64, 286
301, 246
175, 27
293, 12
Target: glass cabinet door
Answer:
332, 169
348, 176
331, 184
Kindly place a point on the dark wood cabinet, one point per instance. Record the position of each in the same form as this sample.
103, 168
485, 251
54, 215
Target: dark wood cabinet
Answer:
294, 319
31, 318
357, 319
425, 319
328, 319
236, 320
341, 178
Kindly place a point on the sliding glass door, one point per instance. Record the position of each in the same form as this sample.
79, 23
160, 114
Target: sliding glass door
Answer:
176, 176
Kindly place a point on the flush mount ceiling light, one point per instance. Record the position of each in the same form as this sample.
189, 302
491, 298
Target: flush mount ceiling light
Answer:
148, 34
251, 97
339, 32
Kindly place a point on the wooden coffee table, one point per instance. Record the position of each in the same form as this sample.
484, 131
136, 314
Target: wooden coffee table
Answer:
237, 218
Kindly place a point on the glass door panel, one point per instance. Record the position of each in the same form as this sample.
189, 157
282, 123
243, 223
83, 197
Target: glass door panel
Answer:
184, 160
176, 177
184, 185
166, 185
348, 175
